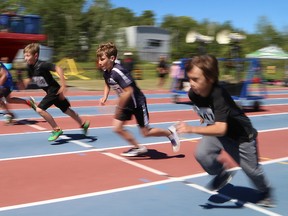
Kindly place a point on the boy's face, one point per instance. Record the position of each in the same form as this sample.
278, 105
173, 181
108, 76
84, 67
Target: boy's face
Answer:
30, 58
105, 63
198, 82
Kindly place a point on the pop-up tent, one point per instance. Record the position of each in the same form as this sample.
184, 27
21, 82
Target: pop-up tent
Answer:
270, 52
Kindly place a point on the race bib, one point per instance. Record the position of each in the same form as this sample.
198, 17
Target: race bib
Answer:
205, 113
40, 81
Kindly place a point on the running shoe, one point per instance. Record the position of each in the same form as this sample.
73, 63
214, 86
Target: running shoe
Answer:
135, 152
267, 200
9, 118
220, 181
31, 102
85, 127
175, 141
55, 134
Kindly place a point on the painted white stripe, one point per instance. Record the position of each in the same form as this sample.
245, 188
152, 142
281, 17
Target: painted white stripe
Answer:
103, 149
37, 127
82, 196
173, 179
85, 145
125, 160
246, 204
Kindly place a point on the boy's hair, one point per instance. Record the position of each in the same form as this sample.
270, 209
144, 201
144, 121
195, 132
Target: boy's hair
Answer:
109, 49
32, 48
208, 64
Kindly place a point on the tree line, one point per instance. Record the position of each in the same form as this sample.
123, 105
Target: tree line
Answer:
75, 31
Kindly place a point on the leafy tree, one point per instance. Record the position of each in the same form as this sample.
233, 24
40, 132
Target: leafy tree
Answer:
146, 18
74, 32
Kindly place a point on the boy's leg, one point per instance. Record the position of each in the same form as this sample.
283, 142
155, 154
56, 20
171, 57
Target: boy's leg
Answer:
118, 127
246, 155
17, 100
248, 161
8, 114
207, 153
250, 165
48, 117
142, 117
247, 158
84, 125
65, 106
4, 97
159, 132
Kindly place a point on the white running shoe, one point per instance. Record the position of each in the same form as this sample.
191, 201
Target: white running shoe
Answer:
175, 141
8, 118
135, 152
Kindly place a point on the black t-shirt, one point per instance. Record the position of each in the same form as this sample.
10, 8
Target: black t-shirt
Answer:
219, 106
163, 65
118, 79
41, 76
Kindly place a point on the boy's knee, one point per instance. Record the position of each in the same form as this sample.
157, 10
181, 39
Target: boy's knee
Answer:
145, 131
200, 156
117, 130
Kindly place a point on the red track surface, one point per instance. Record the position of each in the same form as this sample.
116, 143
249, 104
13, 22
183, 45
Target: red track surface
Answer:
51, 177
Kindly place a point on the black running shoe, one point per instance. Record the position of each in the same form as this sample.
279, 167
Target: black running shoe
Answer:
220, 181
266, 200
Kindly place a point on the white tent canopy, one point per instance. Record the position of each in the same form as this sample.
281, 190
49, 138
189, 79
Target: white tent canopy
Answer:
270, 52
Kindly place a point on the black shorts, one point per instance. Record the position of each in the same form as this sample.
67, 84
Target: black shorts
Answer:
141, 115
53, 99
4, 91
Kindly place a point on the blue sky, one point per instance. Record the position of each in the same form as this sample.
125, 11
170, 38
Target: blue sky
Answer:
243, 14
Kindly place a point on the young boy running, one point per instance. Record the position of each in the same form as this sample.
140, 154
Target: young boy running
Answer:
227, 128
131, 102
39, 72
6, 87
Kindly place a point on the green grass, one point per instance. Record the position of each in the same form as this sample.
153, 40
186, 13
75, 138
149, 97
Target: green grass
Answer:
149, 77
98, 85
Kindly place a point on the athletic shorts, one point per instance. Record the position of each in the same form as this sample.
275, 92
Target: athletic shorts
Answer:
162, 75
4, 91
53, 99
141, 115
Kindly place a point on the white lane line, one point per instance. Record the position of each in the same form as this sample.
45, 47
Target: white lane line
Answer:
199, 187
82, 196
246, 204
109, 148
169, 180
36, 127
125, 160
85, 145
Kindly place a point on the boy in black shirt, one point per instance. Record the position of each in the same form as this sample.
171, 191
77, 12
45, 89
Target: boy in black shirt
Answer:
39, 72
227, 128
131, 102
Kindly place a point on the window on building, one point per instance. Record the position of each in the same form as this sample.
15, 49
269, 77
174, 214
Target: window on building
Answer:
154, 43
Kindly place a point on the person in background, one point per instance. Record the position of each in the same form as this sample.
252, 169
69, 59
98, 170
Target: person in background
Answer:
128, 62
162, 69
175, 73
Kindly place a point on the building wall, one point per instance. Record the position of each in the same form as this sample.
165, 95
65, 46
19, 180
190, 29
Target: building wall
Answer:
149, 41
